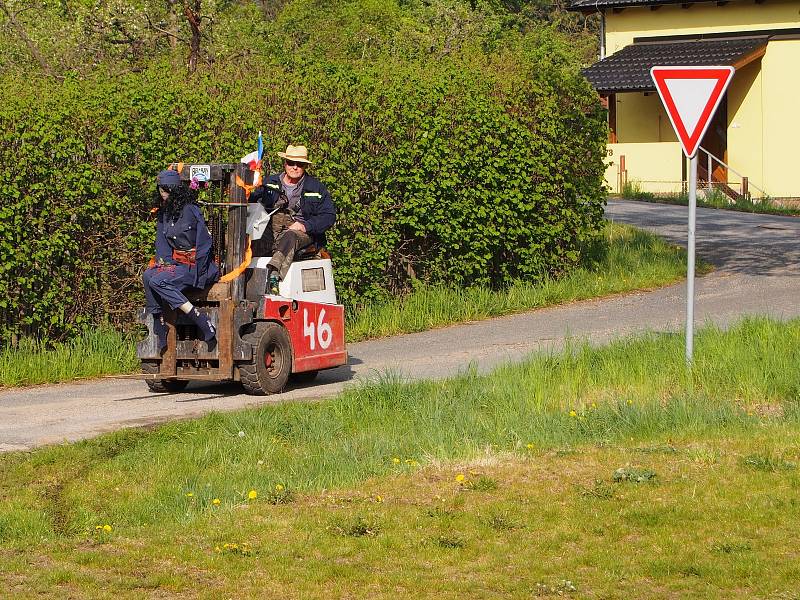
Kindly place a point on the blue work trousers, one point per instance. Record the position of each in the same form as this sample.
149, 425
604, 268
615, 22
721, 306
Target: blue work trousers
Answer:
165, 285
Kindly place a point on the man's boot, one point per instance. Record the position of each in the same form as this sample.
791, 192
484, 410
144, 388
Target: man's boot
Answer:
160, 329
273, 283
205, 326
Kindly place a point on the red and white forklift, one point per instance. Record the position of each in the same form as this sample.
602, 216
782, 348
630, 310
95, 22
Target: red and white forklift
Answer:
263, 340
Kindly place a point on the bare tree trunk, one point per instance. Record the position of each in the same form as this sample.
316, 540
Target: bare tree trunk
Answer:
271, 8
173, 24
192, 12
25, 38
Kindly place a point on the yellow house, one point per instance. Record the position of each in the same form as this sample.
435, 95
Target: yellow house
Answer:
751, 145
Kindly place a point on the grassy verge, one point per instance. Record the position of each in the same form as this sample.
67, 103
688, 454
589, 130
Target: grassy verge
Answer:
714, 199
95, 353
613, 470
625, 259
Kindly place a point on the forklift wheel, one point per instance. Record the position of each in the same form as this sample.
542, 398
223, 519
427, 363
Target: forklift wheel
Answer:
161, 385
268, 371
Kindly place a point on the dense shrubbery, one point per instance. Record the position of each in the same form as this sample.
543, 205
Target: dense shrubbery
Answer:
75, 36
478, 168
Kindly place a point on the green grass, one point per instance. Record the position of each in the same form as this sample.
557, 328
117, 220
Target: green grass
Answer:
624, 259
613, 470
94, 353
715, 199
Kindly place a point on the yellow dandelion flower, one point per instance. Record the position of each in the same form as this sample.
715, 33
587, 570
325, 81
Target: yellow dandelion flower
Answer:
460, 478
572, 413
630, 402
106, 528
279, 488
396, 460
379, 498
529, 446
216, 501
252, 495
189, 494
98, 527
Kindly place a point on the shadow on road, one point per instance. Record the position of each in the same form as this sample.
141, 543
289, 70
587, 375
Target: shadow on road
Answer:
216, 391
734, 242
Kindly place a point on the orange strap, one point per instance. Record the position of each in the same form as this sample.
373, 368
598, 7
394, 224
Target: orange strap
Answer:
248, 256
179, 168
247, 188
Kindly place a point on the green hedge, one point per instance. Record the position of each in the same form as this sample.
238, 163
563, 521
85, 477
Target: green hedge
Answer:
463, 174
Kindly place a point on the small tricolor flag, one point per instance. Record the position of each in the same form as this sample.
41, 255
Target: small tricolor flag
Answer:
253, 160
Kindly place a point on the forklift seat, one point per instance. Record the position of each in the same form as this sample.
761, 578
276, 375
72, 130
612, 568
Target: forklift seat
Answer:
311, 252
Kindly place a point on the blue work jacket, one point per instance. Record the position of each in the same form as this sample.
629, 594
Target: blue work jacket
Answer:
187, 232
316, 206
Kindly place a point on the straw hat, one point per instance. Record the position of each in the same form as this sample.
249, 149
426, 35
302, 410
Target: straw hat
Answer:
295, 153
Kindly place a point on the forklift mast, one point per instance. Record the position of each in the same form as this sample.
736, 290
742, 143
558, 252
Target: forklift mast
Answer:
233, 180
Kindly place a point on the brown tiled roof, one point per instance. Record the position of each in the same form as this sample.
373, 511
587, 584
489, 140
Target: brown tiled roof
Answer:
593, 5
629, 69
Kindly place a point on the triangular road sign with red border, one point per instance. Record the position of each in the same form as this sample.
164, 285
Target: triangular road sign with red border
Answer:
691, 96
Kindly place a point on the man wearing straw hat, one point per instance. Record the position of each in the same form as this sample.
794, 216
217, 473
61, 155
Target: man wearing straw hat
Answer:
303, 209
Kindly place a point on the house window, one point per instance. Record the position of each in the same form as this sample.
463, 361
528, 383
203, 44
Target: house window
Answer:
609, 102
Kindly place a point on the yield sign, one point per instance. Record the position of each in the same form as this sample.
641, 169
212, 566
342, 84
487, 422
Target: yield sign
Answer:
691, 96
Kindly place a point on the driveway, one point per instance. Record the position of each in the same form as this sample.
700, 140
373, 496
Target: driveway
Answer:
758, 272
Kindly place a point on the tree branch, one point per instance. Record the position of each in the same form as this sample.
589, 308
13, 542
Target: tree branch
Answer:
26, 38
164, 31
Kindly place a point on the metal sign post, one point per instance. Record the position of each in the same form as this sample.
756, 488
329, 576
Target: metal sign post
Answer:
691, 96
690, 260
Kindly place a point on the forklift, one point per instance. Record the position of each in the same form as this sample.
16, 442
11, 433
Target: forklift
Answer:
263, 340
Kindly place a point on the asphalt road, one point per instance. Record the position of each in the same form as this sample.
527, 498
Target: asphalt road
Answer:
757, 259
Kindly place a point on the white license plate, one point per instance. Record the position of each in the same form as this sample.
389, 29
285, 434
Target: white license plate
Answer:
202, 172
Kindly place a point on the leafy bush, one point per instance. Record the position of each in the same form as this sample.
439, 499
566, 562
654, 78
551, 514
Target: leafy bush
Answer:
75, 36
472, 173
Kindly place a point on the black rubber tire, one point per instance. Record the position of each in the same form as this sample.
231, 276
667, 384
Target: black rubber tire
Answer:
161, 385
304, 377
261, 376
